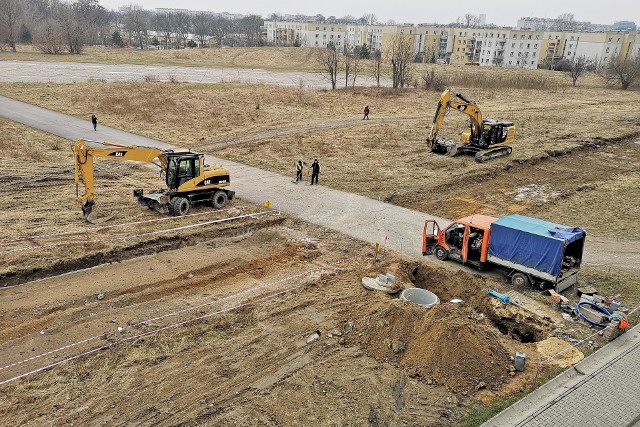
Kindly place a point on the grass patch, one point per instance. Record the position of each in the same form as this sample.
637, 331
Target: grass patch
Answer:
477, 413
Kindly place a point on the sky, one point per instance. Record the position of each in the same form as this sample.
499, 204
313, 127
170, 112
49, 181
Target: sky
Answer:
499, 12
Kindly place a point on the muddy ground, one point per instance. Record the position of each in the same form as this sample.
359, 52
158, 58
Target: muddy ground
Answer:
230, 338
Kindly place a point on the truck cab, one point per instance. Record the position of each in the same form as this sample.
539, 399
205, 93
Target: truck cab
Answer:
466, 240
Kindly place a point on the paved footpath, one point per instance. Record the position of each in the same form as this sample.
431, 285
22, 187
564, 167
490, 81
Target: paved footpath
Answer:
601, 390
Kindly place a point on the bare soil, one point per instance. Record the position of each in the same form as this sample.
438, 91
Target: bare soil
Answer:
230, 311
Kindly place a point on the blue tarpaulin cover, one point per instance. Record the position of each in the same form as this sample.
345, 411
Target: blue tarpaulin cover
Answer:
532, 242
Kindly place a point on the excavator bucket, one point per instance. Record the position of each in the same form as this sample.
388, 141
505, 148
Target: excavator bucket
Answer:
95, 216
446, 147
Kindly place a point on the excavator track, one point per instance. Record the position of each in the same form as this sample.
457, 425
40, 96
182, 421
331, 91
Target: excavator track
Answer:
491, 154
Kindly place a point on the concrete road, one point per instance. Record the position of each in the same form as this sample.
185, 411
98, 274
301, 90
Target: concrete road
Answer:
354, 215
69, 72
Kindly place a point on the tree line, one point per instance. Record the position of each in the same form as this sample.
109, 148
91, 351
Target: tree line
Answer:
55, 26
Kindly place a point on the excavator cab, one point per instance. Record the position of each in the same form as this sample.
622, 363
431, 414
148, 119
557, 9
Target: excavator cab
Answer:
181, 167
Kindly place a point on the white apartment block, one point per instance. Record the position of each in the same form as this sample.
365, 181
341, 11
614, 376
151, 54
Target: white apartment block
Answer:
487, 47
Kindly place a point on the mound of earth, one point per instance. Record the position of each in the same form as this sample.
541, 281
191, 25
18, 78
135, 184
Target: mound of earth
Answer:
444, 344
554, 351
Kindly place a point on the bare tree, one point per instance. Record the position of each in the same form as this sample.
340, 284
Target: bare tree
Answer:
329, 60
10, 16
369, 18
221, 27
565, 22
181, 27
377, 66
202, 26
469, 20
351, 64
162, 22
577, 67
137, 22
251, 27
72, 28
48, 37
400, 54
623, 71
94, 17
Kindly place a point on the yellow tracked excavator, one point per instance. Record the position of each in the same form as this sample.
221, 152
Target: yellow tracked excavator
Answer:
189, 180
486, 139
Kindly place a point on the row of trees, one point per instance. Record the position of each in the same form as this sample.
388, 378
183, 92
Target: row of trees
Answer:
400, 55
56, 26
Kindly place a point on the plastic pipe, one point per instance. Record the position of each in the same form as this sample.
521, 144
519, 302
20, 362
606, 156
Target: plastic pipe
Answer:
504, 298
597, 307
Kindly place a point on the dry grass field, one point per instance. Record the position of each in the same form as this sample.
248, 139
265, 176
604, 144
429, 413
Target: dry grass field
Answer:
248, 361
277, 59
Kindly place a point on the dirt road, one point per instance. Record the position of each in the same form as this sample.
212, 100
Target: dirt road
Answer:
69, 72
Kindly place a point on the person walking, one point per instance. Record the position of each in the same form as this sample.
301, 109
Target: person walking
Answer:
366, 112
94, 121
315, 171
299, 168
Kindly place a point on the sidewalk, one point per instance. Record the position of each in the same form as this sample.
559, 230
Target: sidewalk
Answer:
602, 390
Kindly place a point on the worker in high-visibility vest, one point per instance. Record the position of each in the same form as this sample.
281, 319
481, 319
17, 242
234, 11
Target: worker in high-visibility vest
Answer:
299, 168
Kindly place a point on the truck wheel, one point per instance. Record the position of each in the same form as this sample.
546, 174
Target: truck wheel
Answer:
441, 253
219, 199
520, 279
179, 206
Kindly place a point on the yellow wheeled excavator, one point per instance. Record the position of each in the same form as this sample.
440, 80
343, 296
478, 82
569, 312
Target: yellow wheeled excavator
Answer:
189, 180
486, 139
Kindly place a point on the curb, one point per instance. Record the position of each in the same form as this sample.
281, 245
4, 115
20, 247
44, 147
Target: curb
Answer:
535, 403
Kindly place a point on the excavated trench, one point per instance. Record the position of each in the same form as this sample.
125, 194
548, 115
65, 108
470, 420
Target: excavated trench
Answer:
147, 247
472, 288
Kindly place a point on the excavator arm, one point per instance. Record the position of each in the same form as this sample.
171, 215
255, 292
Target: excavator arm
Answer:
85, 150
453, 100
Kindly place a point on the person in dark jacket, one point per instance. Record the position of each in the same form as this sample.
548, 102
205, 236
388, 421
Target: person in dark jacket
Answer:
94, 121
315, 171
366, 112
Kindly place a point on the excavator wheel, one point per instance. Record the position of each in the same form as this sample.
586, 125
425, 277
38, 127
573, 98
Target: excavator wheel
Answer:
219, 199
179, 206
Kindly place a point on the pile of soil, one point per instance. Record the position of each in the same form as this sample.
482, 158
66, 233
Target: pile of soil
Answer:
445, 344
551, 347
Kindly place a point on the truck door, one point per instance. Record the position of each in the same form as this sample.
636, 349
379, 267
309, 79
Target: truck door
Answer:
465, 244
430, 236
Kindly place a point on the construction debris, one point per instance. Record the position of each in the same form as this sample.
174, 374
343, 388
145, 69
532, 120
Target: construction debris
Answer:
384, 282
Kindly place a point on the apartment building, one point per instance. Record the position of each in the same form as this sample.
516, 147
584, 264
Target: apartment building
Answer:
487, 47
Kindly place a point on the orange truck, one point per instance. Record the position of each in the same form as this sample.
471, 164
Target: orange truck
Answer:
529, 251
